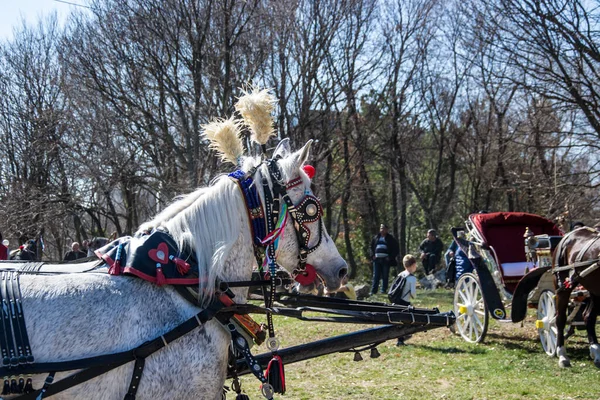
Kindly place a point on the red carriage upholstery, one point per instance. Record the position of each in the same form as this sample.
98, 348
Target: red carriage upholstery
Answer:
504, 232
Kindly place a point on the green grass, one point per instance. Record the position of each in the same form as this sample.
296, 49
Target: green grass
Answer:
437, 364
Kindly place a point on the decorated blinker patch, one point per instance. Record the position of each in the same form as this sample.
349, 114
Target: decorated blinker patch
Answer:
160, 254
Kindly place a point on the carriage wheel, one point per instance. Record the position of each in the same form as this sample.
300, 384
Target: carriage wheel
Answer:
546, 322
470, 309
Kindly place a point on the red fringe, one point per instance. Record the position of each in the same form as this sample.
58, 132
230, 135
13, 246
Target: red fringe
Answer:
115, 268
182, 267
160, 277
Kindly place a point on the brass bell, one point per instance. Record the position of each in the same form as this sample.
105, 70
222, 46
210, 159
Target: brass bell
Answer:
357, 356
375, 353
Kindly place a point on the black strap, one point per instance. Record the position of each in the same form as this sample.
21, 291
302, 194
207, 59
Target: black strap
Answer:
68, 382
96, 366
14, 318
18, 319
136, 377
47, 383
5, 326
6, 317
21, 318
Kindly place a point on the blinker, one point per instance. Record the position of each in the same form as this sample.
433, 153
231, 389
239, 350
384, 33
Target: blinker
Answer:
309, 210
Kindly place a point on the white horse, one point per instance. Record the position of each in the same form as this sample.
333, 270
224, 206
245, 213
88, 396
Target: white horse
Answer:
75, 316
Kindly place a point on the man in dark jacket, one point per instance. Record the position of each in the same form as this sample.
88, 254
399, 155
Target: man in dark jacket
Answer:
431, 251
75, 253
384, 250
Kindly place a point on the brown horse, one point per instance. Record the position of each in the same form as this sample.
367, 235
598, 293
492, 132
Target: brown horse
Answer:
577, 262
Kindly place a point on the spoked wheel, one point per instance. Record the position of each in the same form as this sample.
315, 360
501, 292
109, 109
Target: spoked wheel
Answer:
471, 312
546, 322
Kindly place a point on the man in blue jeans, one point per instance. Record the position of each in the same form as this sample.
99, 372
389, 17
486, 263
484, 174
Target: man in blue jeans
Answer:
384, 250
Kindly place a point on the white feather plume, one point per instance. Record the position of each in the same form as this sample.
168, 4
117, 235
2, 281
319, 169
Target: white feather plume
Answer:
224, 138
256, 109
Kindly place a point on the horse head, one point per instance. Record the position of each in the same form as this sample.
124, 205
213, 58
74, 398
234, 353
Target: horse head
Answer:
262, 204
304, 238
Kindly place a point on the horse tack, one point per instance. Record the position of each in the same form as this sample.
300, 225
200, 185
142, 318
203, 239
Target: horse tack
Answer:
14, 341
19, 360
575, 252
308, 210
573, 278
96, 366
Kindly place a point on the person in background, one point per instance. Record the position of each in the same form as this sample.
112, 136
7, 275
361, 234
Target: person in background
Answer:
3, 249
576, 225
84, 246
459, 262
27, 251
450, 265
346, 291
431, 251
409, 291
384, 250
75, 253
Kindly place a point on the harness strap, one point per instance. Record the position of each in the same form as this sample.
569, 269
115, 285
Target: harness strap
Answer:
5, 325
586, 248
12, 359
241, 346
95, 366
575, 265
21, 318
136, 377
18, 319
47, 383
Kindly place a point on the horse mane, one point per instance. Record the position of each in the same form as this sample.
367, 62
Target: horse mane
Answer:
211, 218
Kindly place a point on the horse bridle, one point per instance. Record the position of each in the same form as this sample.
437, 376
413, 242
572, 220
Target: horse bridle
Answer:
308, 210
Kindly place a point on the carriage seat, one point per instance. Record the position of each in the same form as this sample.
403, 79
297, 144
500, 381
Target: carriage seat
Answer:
515, 268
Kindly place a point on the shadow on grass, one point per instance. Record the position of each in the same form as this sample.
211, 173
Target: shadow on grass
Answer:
450, 350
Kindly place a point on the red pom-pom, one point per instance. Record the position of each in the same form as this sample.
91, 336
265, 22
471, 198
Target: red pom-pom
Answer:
309, 170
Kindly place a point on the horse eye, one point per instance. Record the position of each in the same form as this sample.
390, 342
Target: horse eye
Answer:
311, 210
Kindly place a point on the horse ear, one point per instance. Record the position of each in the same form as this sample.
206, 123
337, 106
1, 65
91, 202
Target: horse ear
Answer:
282, 149
303, 153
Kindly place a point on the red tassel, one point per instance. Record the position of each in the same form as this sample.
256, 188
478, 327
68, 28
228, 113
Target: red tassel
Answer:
160, 277
275, 374
182, 267
115, 268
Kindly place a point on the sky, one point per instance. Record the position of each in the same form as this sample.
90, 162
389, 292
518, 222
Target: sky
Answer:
13, 11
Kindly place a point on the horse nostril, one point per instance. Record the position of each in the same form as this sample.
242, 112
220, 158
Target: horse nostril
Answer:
343, 272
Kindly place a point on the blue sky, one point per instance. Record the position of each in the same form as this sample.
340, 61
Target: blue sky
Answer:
13, 11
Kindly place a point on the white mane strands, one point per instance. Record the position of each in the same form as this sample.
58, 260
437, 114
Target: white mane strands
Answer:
224, 138
256, 109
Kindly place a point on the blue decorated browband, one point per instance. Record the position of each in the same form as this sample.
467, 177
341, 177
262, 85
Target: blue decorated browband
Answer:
254, 206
